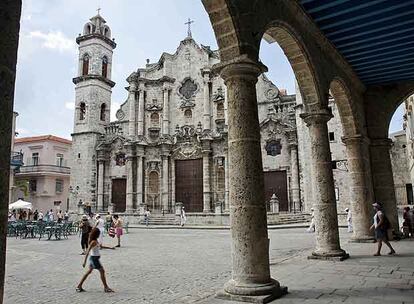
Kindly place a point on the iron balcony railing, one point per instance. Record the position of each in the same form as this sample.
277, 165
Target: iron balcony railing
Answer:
16, 159
44, 169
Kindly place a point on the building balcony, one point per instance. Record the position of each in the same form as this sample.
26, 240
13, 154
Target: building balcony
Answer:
43, 170
16, 159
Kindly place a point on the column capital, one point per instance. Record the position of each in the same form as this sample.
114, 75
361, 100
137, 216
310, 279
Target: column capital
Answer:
240, 67
166, 87
206, 72
293, 145
381, 142
355, 139
318, 117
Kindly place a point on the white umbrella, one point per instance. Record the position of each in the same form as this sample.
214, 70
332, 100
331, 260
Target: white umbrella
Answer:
20, 204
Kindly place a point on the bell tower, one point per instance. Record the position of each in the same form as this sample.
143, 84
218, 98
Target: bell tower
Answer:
93, 89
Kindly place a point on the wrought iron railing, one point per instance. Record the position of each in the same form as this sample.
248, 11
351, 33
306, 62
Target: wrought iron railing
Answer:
44, 168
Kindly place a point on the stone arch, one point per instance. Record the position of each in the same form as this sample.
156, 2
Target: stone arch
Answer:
106, 31
227, 32
299, 60
85, 64
88, 28
344, 101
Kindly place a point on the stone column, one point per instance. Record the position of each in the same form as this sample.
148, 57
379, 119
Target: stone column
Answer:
206, 181
360, 187
206, 102
166, 112
295, 187
383, 180
173, 184
101, 166
164, 182
326, 218
139, 181
131, 100
9, 25
141, 111
130, 178
250, 242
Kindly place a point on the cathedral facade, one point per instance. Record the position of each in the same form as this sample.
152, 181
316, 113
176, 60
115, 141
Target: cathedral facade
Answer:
168, 145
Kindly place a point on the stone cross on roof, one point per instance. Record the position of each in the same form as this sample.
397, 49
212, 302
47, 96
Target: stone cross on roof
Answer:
99, 10
189, 27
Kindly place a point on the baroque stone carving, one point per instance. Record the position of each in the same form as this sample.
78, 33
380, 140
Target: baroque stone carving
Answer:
154, 106
120, 159
219, 95
187, 91
272, 93
120, 115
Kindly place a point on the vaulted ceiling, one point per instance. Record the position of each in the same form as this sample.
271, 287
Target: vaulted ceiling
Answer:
376, 37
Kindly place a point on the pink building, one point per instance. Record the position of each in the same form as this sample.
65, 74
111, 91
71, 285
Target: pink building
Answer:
44, 178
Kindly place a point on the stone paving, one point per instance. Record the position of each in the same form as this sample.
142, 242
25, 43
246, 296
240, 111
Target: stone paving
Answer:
189, 266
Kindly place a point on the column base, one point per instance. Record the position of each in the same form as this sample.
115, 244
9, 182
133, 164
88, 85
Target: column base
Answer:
338, 255
362, 239
252, 293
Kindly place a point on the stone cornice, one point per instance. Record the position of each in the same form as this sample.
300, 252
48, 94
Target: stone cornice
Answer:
79, 79
95, 35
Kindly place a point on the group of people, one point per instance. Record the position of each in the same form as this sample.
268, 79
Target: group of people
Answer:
92, 242
23, 215
380, 225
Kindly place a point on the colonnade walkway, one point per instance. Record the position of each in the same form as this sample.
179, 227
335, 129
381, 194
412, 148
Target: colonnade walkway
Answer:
190, 266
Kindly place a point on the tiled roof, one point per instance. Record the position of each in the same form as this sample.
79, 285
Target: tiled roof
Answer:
42, 138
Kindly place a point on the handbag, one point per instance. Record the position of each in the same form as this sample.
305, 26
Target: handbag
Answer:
111, 232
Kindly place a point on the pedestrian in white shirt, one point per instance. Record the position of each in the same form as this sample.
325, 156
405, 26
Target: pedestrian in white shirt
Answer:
349, 219
100, 224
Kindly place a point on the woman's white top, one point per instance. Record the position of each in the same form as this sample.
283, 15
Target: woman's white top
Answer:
95, 251
100, 224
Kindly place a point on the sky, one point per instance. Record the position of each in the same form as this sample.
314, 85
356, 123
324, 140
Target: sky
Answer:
143, 29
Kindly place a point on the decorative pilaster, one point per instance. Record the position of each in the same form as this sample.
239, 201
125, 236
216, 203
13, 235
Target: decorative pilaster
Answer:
206, 101
250, 244
101, 176
132, 101
130, 179
166, 111
141, 111
360, 188
173, 183
164, 182
139, 175
383, 180
326, 218
295, 187
206, 177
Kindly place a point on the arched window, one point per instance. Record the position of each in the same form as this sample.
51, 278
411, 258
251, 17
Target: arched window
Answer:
188, 116
153, 182
85, 65
220, 111
82, 111
103, 110
105, 67
155, 120
107, 32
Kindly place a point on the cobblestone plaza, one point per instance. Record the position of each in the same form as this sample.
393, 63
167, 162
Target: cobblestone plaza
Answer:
190, 266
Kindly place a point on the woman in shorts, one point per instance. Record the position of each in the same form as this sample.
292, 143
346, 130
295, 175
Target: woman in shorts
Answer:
94, 260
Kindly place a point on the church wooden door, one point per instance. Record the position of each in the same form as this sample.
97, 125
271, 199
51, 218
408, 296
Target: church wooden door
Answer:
189, 184
119, 194
276, 182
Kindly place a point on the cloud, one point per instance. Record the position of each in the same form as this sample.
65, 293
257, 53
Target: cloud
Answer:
54, 40
70, 105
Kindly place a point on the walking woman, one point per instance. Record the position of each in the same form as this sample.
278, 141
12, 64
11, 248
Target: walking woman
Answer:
118, 229
94, 262
381, 225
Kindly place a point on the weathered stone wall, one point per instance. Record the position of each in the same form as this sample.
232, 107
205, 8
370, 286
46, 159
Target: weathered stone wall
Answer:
399, 161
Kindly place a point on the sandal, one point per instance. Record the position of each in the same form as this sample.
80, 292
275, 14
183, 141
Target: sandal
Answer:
377, 254
108, 290
391, 252
80, 289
